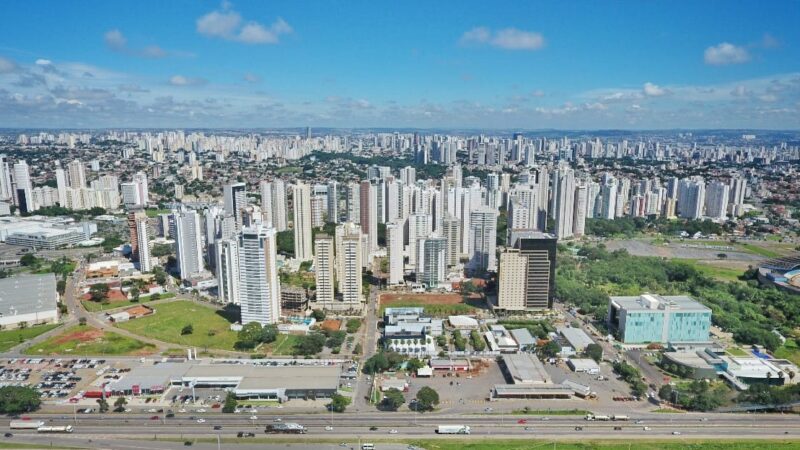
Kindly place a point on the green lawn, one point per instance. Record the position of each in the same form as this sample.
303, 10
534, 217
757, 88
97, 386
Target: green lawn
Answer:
86, 340
759, 250
789, 351
10, 338
211, 330
288, 170
95, 306
283, 345
719, 273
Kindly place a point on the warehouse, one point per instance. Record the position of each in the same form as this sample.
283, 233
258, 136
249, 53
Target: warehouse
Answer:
577, 338
28, 298
524, 368
583, 366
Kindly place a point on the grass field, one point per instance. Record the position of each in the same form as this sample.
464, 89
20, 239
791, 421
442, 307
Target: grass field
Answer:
789, 351
211, 329
10, 338
761, 251
283, 345
155, 212
95, 306
717, 272
439, 305
86, 340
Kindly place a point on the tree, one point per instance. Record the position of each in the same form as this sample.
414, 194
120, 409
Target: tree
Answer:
551, 349
98, 292
665, 392
230, 403
249, 336
310, 344
269, 334
188, 329
103, 405
19, 399
135, 293
427, 398
338, 403
392, 399
28, 260
159, 276
357, 349
376, 363
119, 404
318, 314
61, 287
594, 351
82, 321
415, 364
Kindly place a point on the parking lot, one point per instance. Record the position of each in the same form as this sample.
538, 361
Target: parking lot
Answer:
56, 379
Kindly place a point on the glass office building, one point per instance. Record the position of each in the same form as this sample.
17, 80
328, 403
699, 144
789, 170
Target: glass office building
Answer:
654, 318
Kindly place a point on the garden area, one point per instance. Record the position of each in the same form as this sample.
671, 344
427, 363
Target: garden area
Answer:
437, 305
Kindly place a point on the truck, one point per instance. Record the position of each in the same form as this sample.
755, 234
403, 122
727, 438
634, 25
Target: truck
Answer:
617, 417
285, 428
25, 424
597, 417
55, 429
452, 429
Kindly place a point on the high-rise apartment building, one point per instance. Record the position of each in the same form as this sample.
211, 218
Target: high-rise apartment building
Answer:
350, 263
140, 242
563, 201
394, 250
188, 243
227, 270
259, 288
368, 202
483, 240
301, 198
234, 198
324, 269
431, 261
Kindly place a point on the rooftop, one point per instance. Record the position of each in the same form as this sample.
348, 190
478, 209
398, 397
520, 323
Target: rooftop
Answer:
652, 302
525, 368
576, 337
27, 294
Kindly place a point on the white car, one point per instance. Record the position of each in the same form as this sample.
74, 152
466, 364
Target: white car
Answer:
328, 428
392, 431
646, 428
676, 433
152, 410
639, 422
277, 419
253, 417
201, 420
181, 410
201, 410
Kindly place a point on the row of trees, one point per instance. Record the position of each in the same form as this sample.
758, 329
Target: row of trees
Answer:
426, 400
696, 396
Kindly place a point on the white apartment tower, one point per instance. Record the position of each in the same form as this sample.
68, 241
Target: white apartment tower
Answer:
324, 268
259, 288
301, 198
188, 243
394, 250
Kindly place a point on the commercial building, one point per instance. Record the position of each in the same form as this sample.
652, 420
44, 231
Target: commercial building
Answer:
407, 331
251, 380
583, 365
31, 299
783, 273
577, 338
44, 232
500, 340
654, 318
527, 272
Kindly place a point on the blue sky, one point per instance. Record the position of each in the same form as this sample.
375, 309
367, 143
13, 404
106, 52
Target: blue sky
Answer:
509, 65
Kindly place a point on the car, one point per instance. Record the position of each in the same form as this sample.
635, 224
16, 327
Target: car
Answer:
201, 420
639, 422
201, 410
528, 428
127, 410
8, 435
253, 417
277, 419
217, 427
545, 419
343, 444
154, 418
704, 419
170, 415
152, 410
522, 421
187, 443
328, 428
646, 428
392, 431
578, 428
181, 410
676, 433
617, 428
373, 428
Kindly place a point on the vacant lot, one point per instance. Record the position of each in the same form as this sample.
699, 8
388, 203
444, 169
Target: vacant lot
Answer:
10, 338
86, 340
210, 327
96, 306
283, 345
434, 304
331, 324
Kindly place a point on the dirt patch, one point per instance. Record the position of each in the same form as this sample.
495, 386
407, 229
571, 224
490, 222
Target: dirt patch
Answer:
80, 336
428, 299
331, 324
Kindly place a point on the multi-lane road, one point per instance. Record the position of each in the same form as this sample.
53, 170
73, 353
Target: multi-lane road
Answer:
349, 427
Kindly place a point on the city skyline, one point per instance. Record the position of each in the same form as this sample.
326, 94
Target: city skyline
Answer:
525, 66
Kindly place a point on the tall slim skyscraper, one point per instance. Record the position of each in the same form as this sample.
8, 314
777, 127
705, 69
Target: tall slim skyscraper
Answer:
5, 179
333, 202
24, 188
394, 250
324, 268
717, 200
350, 262
451, 231
579, 216
77, 174
140, 242
419, 227
234, 197
188, 243
483, 240
563, 201
140, 178
259, 288
368, 199
227, 267
301, 198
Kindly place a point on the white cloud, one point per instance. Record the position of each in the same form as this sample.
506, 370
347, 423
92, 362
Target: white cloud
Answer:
251, 77
7, 65
726, 53
653, 90
115, 40
227, 24
180, 80
507, 38
43, 62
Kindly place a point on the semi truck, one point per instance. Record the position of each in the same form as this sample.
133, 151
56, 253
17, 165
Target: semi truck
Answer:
452, 429
25, 424
55, 429
617, 417
599, 417
285, 428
